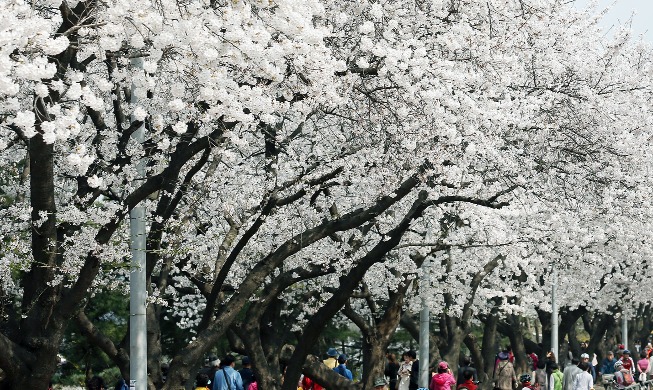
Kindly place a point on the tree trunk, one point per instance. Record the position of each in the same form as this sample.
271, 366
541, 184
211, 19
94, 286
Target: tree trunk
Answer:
489, 347
456, 336
517, 344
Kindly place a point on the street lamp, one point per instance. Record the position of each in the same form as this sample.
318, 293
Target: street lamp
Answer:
554, 315
137, 279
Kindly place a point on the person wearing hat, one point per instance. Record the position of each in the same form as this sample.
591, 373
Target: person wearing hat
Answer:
332, 360
585, 358
622, 376
380, 384
504, 373
342, 367
607, 364
246, 372
443, 380
525, 381
628, 363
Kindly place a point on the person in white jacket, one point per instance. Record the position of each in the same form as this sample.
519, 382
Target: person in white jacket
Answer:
583, 380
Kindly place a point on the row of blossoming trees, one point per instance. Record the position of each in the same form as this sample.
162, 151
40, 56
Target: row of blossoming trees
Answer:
307, 160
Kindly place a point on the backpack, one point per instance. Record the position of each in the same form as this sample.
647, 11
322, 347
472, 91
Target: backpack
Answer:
628, 377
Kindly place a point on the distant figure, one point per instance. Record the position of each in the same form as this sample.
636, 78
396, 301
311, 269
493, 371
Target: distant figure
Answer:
556, 376
202, 381
414, 370
607, 364
95, 383
392, 370
227, 378
466, 366
643, 366
404, 372
121, 385
443, 380
504, 375
584, 381
332, 360
342, 367
246, 372
380, 384
585, 358
628, 363
540, 376
569, 375
468, 382
525, 382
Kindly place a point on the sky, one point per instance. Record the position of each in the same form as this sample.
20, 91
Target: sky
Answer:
622, 11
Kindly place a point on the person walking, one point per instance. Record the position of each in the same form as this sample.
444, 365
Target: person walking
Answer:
342, 367
246, 373
642, 366
585, 358
466, 366
504, 378
583, 380
332, 358
202, 381
540, 377
570, 373
468, 382
227, 378
556, 377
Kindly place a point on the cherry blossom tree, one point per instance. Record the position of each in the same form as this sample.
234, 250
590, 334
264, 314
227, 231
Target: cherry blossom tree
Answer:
310, 145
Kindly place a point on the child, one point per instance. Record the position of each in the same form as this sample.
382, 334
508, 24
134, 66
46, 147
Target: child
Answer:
202, 381
468, 381
525, 380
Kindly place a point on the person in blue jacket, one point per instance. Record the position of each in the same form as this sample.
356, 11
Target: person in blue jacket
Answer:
227, 378
342, 369
607, 364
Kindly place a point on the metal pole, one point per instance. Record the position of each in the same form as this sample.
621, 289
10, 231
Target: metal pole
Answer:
137, 285
554, 316
624, 330
424, 316
424, 345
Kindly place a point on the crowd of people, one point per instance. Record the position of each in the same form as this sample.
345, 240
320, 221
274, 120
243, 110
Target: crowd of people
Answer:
618, 370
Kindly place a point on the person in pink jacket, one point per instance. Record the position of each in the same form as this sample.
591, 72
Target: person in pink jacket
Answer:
443, 380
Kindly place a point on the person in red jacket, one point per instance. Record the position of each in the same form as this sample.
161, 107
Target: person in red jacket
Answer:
468, 381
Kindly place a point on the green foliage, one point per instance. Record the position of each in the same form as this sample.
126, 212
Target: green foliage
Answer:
109, 311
